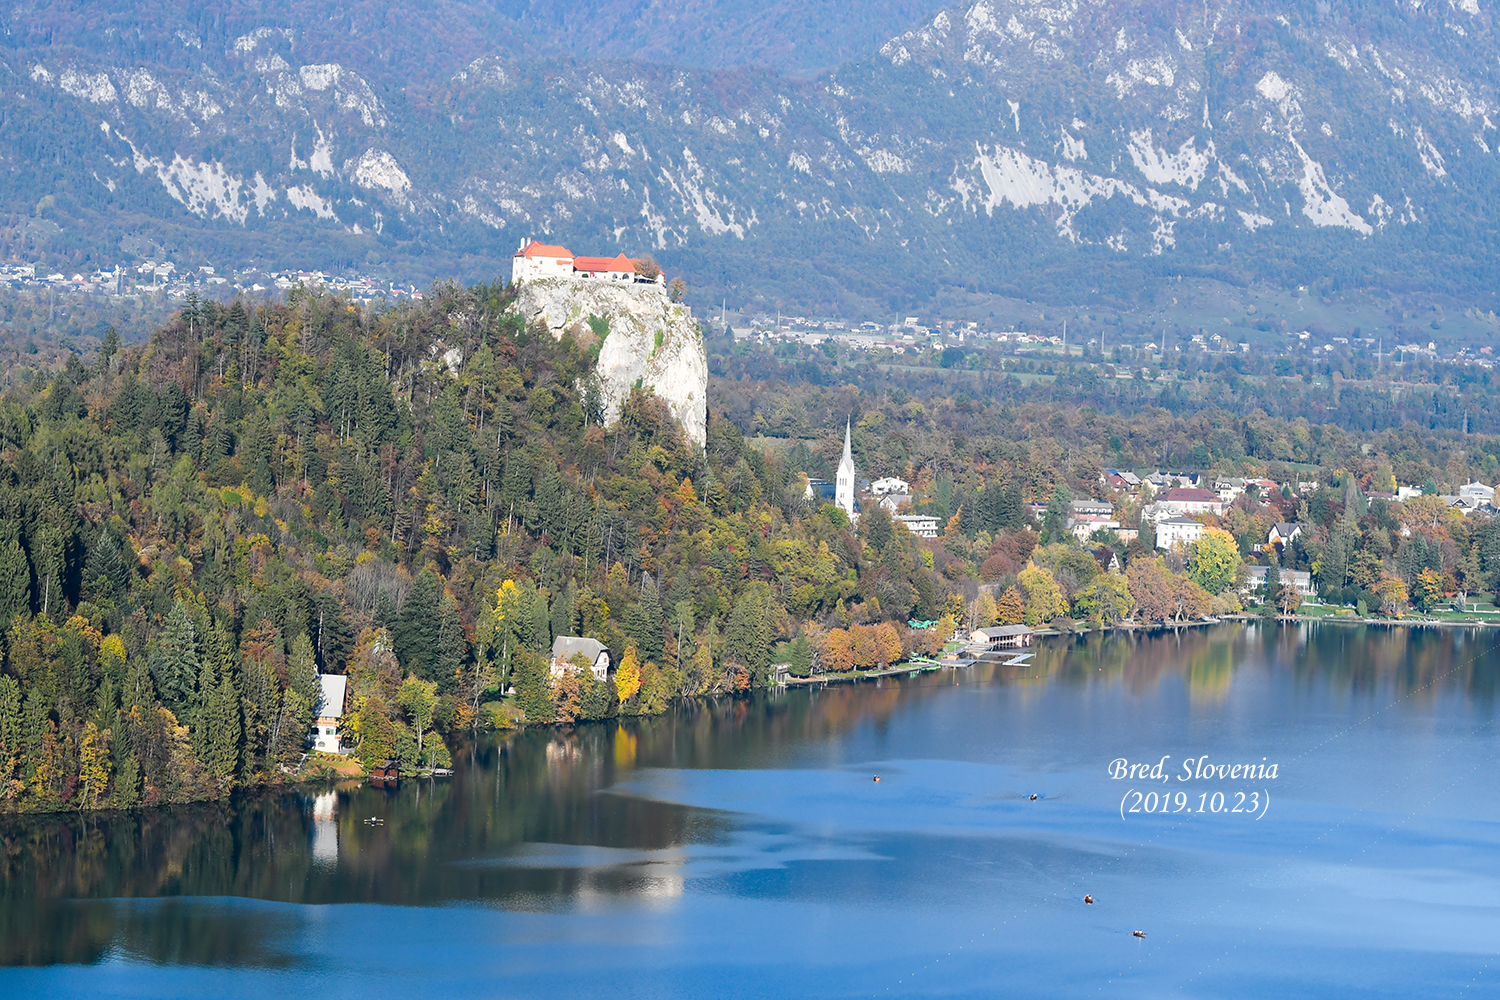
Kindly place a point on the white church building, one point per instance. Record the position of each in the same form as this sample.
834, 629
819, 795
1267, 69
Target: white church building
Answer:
841, 490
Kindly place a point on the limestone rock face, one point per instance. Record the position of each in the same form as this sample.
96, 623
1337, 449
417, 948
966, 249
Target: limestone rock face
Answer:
675, 367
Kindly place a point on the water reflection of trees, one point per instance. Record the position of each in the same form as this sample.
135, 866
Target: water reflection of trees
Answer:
455, 839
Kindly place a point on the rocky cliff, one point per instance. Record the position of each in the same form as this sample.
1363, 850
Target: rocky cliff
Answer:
650, 339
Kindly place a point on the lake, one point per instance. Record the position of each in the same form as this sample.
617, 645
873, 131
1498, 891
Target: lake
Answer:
744, 849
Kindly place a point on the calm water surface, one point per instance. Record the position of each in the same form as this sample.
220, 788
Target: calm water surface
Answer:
743, 849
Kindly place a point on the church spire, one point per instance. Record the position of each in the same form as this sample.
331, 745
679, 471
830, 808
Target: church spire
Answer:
844, 485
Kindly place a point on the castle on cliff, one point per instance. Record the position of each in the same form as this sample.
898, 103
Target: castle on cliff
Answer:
540, 260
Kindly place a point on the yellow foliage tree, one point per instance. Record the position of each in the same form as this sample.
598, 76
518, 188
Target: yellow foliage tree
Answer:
1044, 599
628, 675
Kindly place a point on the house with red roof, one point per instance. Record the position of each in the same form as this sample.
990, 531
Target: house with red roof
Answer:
535, 260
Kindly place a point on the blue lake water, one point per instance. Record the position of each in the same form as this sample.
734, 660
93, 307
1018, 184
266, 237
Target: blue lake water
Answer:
743, 849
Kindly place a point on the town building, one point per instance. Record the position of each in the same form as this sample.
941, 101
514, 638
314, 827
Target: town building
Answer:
1095, 508
1084, 525
1282, 533
888, 485
1118, 479
1181, 501
1174, 531
921, 525
1477, 495
565, 647
893, 502
330, 708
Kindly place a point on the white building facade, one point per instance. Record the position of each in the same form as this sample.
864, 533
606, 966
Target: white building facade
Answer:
844, 481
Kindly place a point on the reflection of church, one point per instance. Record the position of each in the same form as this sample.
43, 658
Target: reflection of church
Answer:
841, 490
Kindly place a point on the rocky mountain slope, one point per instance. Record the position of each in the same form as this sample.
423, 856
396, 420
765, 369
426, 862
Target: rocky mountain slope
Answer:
1053, 148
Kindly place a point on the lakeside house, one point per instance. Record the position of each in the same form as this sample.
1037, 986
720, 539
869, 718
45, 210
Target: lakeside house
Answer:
565, 647
889, 485
332, 688
1001, 637
1299, 578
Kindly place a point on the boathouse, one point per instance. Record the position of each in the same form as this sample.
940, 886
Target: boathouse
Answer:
1001, 637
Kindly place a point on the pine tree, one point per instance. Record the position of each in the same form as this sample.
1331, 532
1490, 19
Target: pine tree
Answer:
452, 644
15, 582
175, 665
222, 753
302, 670
208, 692
139, 688
12, 742
644, 621
747, 636
416, 632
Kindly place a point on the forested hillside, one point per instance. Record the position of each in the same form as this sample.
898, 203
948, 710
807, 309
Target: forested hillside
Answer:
421, 498
192, 529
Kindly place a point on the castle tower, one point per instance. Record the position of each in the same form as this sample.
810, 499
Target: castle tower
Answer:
844, 485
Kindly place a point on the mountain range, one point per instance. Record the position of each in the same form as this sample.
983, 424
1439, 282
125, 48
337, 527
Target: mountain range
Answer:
801, 155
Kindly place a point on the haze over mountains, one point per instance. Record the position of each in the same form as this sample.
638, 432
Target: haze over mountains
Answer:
1067, 150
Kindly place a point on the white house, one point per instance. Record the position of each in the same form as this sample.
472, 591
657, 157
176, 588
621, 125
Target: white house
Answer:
565, 647
539, 260
889, 484
330, 708
893, 502
1472, 492
1282, 533
1096, 508
1184, 500
1084, 525
1174, 531
1299, 578
921, 525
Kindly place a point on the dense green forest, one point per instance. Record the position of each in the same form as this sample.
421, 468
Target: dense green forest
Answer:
195, 527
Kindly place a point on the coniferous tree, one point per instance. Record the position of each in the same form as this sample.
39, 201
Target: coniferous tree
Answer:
222, 751
15, 582
643, 622
302, 670
175, 666
416, 632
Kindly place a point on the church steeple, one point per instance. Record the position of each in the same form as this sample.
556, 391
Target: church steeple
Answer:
844, 484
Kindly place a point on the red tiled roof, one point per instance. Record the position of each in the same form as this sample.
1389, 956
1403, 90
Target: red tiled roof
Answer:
620, 264
543, 250
1189, 494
